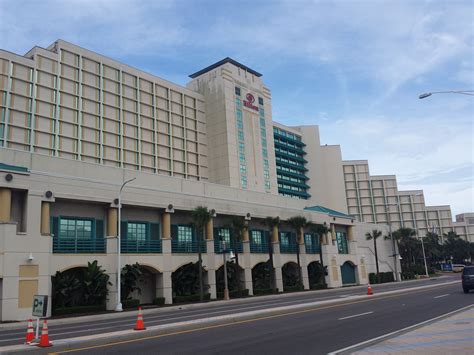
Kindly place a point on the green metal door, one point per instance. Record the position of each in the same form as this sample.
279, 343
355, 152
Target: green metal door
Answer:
348, 273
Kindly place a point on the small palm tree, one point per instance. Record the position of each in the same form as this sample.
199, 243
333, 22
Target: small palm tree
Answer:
239, 225
406, 243
298, 223
320, 230
271, 223
201, 216
373, 236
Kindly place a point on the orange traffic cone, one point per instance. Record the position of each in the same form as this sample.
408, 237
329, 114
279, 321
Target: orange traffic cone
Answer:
44, 340
30, 334
140, 324
369, 290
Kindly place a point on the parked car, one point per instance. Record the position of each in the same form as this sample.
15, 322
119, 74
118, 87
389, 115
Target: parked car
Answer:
468, 278
458, 267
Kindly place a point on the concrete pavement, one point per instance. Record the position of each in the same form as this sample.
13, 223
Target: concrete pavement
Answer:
451, 335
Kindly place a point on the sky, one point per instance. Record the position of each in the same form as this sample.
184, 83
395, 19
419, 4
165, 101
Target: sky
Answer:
355, 68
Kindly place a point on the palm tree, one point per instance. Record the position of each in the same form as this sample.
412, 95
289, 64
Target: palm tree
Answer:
320, 230
374, 235
239, 225
298, 223
201, 216
407, 244
271, 223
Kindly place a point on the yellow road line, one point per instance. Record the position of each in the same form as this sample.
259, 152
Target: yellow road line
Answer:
232, 323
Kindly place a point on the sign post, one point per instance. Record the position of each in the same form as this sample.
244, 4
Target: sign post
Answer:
40, 307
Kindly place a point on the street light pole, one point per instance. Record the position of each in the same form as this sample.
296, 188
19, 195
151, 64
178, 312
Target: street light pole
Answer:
118, 307
224, 257
424, 257
460, 92
394, 247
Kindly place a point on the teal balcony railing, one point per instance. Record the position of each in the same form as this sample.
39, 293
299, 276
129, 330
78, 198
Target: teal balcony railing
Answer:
184, 246
235, 246
311, 242
259, 248
140, 246
79, 246
288, 243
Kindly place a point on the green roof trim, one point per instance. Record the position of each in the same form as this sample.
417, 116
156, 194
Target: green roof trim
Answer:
18, 169
328, 211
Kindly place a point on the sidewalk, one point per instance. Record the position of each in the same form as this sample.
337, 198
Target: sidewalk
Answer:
452, 335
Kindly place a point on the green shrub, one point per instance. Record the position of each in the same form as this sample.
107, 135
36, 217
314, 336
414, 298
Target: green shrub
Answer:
264, 291
384, 277
318, 286
408, 275
190, 298
78, 310
293, 288
159, 301
130, 303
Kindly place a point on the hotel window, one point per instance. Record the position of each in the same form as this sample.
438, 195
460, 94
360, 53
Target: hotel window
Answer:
237, 91
341, 239
260, 101
75, 229
257, 237
185, 234
136, 231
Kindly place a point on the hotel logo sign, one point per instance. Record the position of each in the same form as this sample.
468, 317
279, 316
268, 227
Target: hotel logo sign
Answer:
249, 102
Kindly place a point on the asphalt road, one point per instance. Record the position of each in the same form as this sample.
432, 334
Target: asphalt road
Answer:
172, 315
316, 331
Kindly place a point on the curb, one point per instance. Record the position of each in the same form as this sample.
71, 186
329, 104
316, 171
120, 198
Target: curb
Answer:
126, 314
188, 326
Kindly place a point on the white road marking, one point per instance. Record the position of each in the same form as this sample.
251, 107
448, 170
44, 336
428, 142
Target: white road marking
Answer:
355, 315
447, 294
399, 331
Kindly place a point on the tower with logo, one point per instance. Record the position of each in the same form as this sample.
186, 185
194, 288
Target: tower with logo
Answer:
239, 126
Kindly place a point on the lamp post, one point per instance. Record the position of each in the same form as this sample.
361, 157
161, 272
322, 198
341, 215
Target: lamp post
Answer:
394, 247
118, 307
460, 92
224, 258
424, 256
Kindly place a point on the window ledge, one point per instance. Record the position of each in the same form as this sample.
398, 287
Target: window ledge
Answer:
21, 233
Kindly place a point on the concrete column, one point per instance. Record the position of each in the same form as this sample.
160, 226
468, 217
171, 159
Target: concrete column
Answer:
166, 226
300, 236
279, 279
304, 275
164, 287
275, 234
246, 236
246, 264
112, 272
210, 230
210, 265
112, 220
45, 218
333, 231
5, 204
350, 233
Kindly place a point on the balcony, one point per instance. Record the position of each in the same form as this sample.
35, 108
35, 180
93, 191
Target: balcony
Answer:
187, 246
79, 246
140, 246
288, 243
234, 245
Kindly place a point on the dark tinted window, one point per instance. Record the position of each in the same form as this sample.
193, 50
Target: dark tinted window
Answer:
468, 270
237, 91
260, 101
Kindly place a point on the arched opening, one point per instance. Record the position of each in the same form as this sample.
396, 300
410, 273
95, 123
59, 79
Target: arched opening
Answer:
145, 286
316, 275
262, 278
291, 277
234, 280
348, 273
80, 289
185, 283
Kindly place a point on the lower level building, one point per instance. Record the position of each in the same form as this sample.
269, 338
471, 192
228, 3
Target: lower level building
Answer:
58, 214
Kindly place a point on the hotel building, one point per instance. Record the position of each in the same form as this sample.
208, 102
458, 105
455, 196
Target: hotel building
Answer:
75, 125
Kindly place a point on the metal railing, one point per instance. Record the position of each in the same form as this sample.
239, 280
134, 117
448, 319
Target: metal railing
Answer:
140, 246
79, 246
178, 246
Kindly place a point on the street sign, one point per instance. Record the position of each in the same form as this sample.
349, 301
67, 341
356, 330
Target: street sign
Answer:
40, 305
447, 267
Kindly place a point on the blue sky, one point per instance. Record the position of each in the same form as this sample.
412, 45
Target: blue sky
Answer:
355, 68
